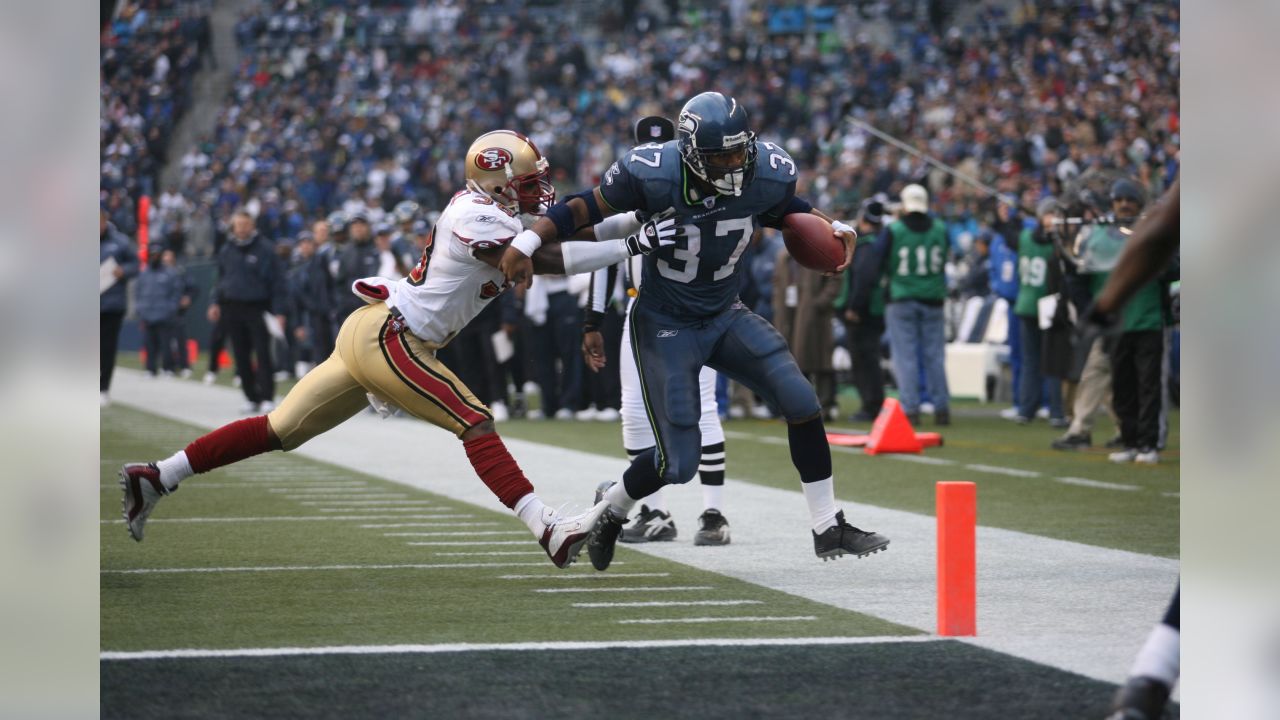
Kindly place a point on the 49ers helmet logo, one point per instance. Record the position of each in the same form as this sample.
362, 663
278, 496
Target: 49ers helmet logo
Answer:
494, 158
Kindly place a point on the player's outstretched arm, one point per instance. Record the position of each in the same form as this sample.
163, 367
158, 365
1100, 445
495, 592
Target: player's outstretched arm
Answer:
561, 222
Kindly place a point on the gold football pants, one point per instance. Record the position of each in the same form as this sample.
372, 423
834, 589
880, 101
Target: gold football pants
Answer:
374, 354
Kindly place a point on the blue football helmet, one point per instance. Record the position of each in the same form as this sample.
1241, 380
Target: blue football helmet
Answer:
716, 143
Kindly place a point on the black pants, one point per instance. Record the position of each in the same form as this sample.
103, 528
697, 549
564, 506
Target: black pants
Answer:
217, 341
604, 388
108, 343
159, 337
1135, 387
559, 356
864, 350
251, 346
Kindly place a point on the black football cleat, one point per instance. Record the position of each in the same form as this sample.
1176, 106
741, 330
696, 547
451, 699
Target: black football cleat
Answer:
1072, 442
1141, 698
651, 525
843, 538
604, 537
713, 529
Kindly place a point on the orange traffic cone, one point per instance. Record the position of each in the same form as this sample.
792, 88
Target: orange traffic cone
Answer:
892, 432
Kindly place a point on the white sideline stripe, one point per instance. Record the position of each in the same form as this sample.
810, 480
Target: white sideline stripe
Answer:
592, 576
435, 534
285, 518
480, 554
669, 588
465, 543
666, 603
317, 568
348, 501
758, 618
997, 470
506, 647
1085, 482
1170, 494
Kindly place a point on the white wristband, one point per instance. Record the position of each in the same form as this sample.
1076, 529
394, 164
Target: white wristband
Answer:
838, 226
527, 242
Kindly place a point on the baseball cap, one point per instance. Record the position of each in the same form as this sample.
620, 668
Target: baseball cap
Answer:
1046, 206
873, 211
1127, 189
915, 199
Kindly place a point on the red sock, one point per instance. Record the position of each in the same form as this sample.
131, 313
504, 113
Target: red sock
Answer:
230, 443
496, 467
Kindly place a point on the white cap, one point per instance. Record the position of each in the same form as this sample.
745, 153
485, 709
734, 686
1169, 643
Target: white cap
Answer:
915, 199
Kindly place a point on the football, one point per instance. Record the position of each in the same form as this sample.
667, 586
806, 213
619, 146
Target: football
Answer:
812, 242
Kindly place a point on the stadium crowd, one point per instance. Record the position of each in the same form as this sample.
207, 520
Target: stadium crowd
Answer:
343, 135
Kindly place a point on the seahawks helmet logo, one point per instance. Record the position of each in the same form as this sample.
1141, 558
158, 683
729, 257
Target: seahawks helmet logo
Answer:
689, 123
493, 158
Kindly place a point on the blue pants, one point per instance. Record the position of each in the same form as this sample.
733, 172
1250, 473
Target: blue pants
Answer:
1033, 380
915, 330
671, 350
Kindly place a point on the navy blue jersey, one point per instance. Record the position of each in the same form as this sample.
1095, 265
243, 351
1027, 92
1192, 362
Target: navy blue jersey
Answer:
697, 276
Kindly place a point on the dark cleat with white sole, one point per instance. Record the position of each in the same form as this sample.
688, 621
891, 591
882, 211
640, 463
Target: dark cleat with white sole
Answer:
843, 538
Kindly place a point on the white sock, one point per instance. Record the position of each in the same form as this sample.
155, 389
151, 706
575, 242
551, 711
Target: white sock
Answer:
619, 501
174, 469
534, 514
821, 497
657, 501
712, 497
1159, 657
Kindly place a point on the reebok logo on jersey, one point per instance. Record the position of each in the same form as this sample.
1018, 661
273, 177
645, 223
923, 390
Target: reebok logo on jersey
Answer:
668, 333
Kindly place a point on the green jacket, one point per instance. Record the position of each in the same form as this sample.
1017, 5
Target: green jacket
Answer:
916, 262
1033, 270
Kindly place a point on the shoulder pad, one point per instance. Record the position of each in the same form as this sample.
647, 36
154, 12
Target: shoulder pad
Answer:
773, 163
479, 223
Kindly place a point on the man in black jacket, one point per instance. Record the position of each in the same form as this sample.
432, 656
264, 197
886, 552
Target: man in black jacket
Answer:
115, 251
312, 291
359, 259
863, 316
250, 284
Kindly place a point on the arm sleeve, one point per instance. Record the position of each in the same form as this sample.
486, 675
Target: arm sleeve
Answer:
789, 204
617, 226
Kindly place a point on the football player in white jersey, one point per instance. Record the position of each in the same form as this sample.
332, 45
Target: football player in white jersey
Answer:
386, 350
654, 522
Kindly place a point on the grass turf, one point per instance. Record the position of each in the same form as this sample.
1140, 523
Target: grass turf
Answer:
919, 680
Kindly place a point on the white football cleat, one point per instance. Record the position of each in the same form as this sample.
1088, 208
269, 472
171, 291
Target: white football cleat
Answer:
1123, 456
1147, 457
142, 490
608, 415
564, 537
499, 411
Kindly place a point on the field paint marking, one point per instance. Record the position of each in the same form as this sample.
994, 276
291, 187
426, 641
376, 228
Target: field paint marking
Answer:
465, 543
295, 518
592, 576
759, 618
997, 470
669, 588
387, 510
666, 603
435, 534
1085, 482
321, 490
921, 459
482, 554
317, 568
1171, 494
347, 501
332, 499
507, 647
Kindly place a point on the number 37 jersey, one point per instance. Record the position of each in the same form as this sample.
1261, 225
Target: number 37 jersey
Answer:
698, 276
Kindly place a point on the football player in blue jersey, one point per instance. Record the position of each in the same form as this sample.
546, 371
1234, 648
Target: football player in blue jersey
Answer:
719, 183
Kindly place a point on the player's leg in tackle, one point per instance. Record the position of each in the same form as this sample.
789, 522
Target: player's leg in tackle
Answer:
754, 353
669, 354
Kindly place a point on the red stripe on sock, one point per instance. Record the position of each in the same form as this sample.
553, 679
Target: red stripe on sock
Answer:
498, 470
230, 443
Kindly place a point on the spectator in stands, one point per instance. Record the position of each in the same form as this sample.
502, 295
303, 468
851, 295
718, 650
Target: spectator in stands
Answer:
863, 315
250, 283
118, 262
1037, 258
911, 252
158, 294
359, 259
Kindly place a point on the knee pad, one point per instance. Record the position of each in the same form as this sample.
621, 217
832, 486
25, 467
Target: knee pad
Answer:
681, 456
795, 397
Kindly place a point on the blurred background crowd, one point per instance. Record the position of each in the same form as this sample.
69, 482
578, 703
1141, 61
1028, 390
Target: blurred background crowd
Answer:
342, 127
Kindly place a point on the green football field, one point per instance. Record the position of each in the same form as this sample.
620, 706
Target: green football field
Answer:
362, 597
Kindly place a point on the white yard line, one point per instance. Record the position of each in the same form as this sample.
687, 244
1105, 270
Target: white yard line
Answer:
316, 568
997, 470
482, 554
505, 647
666, 603
1085, 482
463, 543
1077, 607
663, 588
367, 503
340, 498
692, 620
523, 533
307, 518
588, 576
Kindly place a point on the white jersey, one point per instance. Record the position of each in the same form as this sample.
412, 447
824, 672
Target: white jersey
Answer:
450, 286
